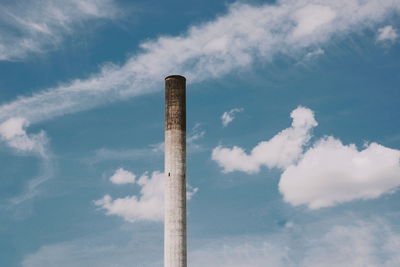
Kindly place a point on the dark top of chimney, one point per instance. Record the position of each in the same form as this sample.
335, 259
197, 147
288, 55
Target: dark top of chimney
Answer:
176, 77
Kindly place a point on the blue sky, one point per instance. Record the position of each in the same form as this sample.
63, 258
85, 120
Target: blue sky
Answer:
293, 131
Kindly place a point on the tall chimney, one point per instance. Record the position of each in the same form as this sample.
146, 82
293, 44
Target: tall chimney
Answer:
175, 172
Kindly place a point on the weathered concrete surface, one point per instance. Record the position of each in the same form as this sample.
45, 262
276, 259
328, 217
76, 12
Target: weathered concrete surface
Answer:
175, 172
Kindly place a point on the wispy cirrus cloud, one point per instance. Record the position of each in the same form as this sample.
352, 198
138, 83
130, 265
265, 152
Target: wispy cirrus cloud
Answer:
244, 35
106, 154
151, 152
13, 133
355, 242
28, 27
228, 116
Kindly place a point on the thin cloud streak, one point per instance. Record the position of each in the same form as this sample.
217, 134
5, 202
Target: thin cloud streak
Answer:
105, 154
228, 116
152, 152
233, 41
14, 134
28, 27
32, 188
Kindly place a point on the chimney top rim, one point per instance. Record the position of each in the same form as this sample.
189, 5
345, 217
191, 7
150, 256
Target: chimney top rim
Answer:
175, 77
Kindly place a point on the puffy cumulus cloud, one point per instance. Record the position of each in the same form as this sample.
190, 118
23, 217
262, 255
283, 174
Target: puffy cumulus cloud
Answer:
36, 26
13, 132
331, 173
325, 174
228, 116
387, 33
280, 151
148, 205
235, 40
122, 176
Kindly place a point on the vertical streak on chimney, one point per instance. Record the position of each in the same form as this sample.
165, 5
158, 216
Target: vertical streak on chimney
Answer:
175, 172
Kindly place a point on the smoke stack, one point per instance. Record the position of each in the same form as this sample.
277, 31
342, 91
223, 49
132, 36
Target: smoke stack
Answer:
175, 172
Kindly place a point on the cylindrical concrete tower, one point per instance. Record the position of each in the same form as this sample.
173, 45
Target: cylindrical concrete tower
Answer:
175, 172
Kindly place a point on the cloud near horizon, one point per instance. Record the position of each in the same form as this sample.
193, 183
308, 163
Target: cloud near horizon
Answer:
323, 175
244, 35
358, 242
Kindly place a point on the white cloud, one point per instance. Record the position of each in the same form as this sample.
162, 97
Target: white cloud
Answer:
36, 26
228, 116
254, 253
196, 133
356, 242
13, 133
148, 205
122, 176
104, 154
280, 151
119, 246
191, 191
313, 54
325, 174
233, 41
387, 33
311, 18
194, 136
330, 173
152, 152
351, 244
33, 187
